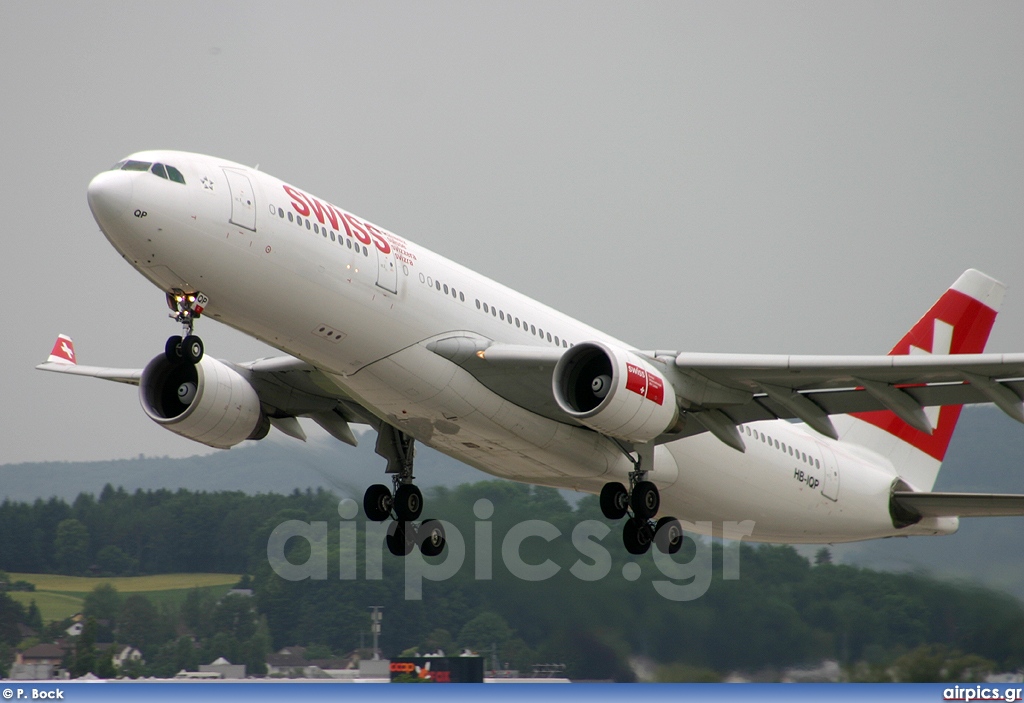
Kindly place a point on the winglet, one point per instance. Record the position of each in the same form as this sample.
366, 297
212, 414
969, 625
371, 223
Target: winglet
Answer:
63, 351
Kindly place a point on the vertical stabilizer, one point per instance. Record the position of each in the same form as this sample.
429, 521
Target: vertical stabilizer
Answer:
958, 323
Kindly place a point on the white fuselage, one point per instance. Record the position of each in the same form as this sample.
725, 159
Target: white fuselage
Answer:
361, 304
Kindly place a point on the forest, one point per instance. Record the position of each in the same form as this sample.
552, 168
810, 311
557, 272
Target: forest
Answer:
525, 592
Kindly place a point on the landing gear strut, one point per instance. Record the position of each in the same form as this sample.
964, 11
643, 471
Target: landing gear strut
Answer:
405, 503
640, 502
186, 308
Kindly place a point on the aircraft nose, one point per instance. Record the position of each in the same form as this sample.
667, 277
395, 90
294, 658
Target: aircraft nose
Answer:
110, 196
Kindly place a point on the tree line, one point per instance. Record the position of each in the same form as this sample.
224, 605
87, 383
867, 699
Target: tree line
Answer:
782, 610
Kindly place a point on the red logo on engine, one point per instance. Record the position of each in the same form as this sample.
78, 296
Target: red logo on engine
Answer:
646, 384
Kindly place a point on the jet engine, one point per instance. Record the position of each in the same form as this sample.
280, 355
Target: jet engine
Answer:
615, 392
207, 402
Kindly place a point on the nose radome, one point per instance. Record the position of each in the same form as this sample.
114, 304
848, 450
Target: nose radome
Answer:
110, 196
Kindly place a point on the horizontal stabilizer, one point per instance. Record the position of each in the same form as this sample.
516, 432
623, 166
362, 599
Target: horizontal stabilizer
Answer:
960, 504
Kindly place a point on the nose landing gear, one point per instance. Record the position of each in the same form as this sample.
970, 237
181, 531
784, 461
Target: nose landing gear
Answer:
643, 500
186, 308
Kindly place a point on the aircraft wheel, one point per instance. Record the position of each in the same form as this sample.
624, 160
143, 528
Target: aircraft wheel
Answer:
192, 349
645, 500
431, 538
172, 349
637, 536
377, 502
614, 500
668, 535
398, 540
408, 502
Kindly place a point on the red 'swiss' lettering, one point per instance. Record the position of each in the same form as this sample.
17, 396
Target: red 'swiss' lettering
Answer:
320, 210
298, 201
378, 239
357, 230
308, 206
646, 384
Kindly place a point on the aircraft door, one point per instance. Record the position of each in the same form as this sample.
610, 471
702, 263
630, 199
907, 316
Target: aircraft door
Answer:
243, 200
830, 485
387, 270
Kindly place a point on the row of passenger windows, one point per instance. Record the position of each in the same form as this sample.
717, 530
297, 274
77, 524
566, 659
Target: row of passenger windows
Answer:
167, 172
795, 453
325, 231
495, 312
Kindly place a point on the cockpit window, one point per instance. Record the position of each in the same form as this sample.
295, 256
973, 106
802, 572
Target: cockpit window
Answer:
136, 165
117, 166
175, 175
158, 169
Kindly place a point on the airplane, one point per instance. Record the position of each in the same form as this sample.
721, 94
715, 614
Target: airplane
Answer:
376, 330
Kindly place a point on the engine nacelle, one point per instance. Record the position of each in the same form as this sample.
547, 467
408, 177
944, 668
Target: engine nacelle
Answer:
615, 392
209, 402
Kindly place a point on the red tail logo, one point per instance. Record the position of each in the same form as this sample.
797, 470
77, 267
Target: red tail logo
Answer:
958, 323
63, 350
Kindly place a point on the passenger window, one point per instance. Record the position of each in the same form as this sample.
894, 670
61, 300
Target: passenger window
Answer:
533, 330
816, 464
365, 252
438, 284
158, 169
332, 235
307, 224
348, 243
556, 340
446, 289
540, 332
485, 308
462, 298
478, 304
494, 311
549, 336
517, 322
175, 175
290, 218
280, 213
316, 228
501, 314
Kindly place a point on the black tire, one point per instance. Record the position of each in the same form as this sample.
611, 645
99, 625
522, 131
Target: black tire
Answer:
172, 349
398, 540
645, 500
614, 501
192, 349
431, 538
408, 502
377, 502
637, 536
668, 535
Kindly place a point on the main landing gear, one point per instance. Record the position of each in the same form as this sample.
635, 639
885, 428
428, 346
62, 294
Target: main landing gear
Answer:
640, 503
405, 504
186, 308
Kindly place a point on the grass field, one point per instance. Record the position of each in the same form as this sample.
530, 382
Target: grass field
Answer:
59, 597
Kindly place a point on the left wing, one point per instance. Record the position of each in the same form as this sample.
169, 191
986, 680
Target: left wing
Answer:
287, 388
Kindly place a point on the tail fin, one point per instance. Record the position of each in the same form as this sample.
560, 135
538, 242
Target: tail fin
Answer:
63, 351
958, 323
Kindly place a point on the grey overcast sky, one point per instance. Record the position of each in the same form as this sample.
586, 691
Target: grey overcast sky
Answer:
747, 177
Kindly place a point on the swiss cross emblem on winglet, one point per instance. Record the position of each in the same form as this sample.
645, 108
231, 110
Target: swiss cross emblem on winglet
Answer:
63, 351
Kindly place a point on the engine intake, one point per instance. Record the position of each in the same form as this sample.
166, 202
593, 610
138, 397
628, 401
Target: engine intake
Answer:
615, 392
208, 402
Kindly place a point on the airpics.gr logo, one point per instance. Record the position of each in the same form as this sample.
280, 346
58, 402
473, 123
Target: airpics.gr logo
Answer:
683, 581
